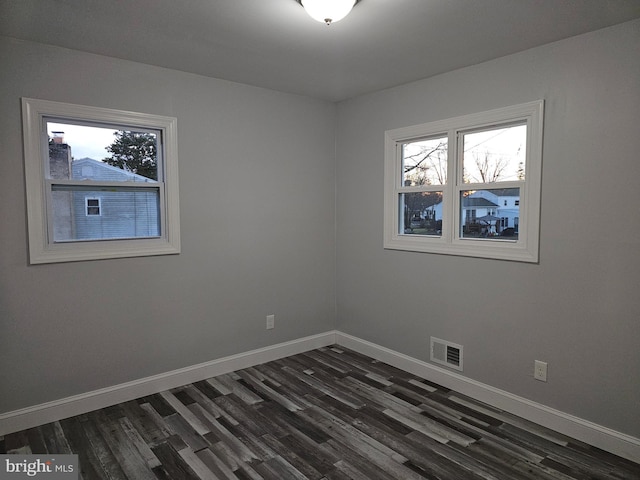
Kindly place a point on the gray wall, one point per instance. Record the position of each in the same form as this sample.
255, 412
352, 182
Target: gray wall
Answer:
258, 179
257, 205
579, 308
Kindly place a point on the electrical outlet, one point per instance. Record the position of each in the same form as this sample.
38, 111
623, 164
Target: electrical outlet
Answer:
271, 321
540, 370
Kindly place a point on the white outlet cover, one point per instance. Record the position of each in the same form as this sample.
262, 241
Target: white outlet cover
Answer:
540, 370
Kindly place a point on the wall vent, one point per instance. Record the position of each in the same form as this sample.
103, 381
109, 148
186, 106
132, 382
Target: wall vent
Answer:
446, 353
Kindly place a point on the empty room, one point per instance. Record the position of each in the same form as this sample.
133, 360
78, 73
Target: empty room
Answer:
264, 240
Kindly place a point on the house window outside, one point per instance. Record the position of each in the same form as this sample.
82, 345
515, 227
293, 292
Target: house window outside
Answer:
120, 202
92, 206
465, 173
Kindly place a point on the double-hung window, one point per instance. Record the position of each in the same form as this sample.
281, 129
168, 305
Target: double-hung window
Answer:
466, 186
101, 183
93, 206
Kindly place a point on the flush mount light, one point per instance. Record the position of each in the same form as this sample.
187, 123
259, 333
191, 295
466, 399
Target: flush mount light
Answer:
328, 11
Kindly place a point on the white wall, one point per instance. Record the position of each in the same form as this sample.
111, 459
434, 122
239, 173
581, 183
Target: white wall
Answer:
257, 203
579, 308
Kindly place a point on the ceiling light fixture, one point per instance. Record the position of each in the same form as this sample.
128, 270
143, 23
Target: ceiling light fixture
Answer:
328, 11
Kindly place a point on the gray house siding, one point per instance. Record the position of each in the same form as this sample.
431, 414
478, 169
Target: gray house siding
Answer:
116, 214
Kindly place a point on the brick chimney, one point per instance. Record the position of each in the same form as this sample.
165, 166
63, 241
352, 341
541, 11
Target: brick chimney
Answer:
58, 137
59, 157
60, 169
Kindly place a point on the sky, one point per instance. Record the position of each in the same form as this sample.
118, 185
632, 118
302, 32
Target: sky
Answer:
505, 146
84, 141
502, 144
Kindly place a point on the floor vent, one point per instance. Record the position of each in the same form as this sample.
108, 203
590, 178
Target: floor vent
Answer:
446, 353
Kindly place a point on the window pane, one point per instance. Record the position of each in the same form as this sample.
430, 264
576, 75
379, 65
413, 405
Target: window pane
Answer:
495, 155
101, 153
421, 213
80, 214
424, 162
490, 214
93, 206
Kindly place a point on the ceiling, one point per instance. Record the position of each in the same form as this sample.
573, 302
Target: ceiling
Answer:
274, 44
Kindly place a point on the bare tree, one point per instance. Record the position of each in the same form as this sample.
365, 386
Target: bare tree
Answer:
428, 166
489, 168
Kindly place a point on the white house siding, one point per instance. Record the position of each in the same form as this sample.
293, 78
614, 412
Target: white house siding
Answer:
495, 204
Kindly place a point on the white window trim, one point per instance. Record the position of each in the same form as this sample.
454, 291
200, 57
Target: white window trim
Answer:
526, 248
44, 250
86, 207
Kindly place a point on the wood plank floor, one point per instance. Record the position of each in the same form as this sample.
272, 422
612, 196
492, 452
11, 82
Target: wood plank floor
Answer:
326, 414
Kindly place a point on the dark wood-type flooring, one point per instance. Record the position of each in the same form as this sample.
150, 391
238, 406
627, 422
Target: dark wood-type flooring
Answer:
326, 414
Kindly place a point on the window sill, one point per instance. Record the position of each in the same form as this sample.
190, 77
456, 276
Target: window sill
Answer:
510, 250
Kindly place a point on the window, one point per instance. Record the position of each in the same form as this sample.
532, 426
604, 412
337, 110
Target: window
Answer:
100, 183
92, 206
454, 186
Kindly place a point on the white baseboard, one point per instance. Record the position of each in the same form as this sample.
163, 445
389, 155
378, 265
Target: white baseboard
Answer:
602, 437
22, 419
605, 438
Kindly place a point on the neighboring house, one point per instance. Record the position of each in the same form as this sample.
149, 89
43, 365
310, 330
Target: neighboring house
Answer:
493, 211
503, 204
112, 214
99, 213
509, 208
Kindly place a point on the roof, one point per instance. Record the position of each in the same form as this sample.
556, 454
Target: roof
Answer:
477, 202
108, 172
506, 192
